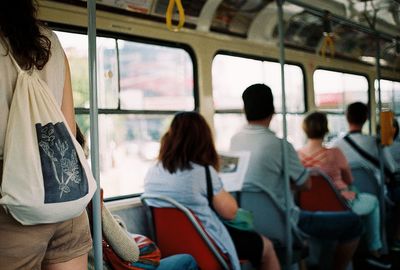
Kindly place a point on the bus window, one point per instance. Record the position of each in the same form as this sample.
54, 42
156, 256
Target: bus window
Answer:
390, 94
76, 50
140, 87
155, 77
229, 81
334, 91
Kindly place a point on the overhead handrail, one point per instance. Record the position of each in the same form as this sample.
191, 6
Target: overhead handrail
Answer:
339, 19
169, 14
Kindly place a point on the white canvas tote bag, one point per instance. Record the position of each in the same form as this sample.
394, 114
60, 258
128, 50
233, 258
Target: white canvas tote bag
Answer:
46, 178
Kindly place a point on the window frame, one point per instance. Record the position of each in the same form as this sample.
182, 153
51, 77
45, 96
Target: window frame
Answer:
392, 80
118, 111
369, 102
347, 72
268, 59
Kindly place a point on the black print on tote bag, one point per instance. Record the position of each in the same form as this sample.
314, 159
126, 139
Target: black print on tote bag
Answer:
63, 176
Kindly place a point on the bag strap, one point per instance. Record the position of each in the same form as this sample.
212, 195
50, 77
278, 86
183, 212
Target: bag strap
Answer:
210, 194
366, 155
19, 69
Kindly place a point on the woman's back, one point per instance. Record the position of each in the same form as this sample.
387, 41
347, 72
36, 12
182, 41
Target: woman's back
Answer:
189, 188
333, 163
53, 73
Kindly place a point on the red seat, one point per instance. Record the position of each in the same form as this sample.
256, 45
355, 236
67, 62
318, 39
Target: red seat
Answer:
177, 230
323, 196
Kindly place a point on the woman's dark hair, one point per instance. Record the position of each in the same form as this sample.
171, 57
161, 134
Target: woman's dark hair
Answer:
20, 33
315, 125
396, 128
188, 139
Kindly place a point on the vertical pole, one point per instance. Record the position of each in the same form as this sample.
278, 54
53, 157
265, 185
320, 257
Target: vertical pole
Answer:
378, 73
284, 145
380, 149
94, 135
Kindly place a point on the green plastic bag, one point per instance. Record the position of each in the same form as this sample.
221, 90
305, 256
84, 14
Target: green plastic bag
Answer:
242, 221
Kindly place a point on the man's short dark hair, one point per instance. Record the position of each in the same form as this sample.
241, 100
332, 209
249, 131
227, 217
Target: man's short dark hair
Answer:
357, 113
258, 102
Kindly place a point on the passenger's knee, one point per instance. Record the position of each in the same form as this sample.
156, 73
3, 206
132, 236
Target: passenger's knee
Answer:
188, 261
268, 246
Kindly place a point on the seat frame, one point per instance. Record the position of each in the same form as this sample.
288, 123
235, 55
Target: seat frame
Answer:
191, 217
322, 176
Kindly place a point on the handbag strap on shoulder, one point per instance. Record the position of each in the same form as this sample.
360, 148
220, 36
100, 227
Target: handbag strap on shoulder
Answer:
366, 155
210, 194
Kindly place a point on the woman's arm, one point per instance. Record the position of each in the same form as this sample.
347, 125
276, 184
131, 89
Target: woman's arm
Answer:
344, 167
225, 205
67, 106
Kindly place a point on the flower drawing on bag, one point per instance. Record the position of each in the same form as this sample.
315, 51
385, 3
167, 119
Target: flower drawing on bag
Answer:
62, 147
71, 168
48, 134
64, 161
49, 152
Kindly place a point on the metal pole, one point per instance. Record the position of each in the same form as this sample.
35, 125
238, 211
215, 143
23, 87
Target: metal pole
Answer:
94, 135
380, 149
288, 194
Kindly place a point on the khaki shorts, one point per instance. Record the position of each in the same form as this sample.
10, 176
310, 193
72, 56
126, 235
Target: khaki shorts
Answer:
28, 247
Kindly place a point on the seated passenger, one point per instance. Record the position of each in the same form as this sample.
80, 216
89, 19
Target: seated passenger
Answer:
122, 242
395, 189
265, 174
186, 149
334, 164
357, 115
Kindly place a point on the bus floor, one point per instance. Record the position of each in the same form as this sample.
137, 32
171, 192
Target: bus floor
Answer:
359, 262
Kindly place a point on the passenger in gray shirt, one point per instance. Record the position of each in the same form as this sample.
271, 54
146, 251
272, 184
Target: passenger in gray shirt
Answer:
265, 174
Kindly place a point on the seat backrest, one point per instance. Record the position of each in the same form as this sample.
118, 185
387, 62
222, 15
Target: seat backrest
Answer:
177, 231
322, 196
364, 179
269, 218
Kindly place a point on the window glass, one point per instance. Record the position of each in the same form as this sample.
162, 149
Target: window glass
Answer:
228, 124
129, 145
335, 90
134, 76
390, 94
229, 80
76, 50
295, 134
107, 73
155, 77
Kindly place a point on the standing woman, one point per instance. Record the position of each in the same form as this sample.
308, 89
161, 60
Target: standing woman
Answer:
57, 246
186, 149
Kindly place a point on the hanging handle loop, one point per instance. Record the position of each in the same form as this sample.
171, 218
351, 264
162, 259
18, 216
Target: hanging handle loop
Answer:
168, 15
328, 39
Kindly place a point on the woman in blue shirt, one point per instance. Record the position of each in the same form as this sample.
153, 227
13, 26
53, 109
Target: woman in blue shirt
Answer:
186, 149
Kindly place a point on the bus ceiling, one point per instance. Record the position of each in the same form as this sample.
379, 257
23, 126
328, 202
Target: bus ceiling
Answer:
355, 25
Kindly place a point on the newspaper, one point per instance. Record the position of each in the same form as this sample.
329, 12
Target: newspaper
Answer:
233, 169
